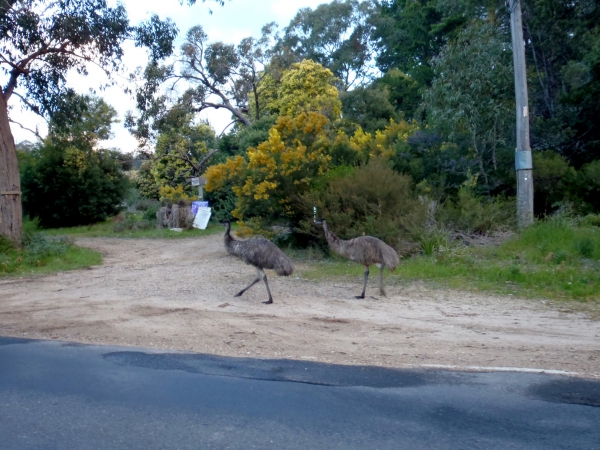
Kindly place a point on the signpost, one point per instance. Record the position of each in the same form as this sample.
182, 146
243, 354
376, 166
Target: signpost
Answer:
198, 181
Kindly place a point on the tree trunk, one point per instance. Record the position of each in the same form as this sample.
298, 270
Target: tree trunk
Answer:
11, 216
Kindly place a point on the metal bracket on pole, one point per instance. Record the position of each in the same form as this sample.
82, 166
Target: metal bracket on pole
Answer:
523, 160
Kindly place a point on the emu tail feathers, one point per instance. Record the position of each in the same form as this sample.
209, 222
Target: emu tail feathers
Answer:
284, 266
390, 257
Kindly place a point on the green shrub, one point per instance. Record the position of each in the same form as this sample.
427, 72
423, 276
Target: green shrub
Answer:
473, 214
587, 187
69, 179
584, 246
560, 256
30, 227
40, 246
222, 201
6, 245
591, 220
372, 200
143, 204
132, 222
433, 241
150, 212
64, 186
143, 225
145, 182
552, 177
124, 222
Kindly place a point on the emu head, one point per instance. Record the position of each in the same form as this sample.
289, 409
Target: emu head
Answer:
315, 220
227, 225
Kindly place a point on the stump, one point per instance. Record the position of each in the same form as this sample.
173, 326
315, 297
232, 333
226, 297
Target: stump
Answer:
185, 217
174, 217
162, 217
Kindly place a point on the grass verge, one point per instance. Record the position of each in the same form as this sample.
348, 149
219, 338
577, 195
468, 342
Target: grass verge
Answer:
556, 259
42, 254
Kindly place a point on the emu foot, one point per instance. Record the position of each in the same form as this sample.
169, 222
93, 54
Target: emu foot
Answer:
268, 302
382, 293
360, 296
239, 294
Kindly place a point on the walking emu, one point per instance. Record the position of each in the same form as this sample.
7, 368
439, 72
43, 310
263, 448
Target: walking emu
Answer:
260, 253
365, 250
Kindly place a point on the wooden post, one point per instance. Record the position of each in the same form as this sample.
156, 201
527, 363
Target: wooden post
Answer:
523, 160
199, 181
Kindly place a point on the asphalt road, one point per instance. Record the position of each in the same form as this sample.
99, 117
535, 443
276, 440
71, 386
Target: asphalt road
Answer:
57, 395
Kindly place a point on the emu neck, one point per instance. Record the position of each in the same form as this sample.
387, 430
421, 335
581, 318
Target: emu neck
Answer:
228, 238
336, 244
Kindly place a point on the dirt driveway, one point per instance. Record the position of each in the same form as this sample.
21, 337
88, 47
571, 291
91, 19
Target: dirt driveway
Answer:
178, 295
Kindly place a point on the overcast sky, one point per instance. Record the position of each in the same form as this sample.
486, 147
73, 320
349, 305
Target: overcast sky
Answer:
236, 20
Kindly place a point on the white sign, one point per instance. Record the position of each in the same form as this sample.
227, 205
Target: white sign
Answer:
195, 181
202, 217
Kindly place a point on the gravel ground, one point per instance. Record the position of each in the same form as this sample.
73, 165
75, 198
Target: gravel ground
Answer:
178, 295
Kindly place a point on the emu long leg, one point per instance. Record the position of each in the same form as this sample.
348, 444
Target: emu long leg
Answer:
256, 280
381, 289
365, 285
268, 290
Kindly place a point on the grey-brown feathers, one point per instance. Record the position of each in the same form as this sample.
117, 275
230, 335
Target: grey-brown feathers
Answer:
260, 253
365, 250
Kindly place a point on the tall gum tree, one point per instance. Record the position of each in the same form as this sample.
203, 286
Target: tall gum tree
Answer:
212, 75
337, 35
40, 42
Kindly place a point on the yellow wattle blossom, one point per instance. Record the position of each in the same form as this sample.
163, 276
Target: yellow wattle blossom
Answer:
307, 86
173, 194
269, 178
285, 164
261, 189
360, 140
218, 174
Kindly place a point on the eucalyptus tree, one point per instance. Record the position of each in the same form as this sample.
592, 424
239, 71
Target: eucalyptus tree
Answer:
41, 41
471, 97
408, 36
337, 35
562, 41
212, 75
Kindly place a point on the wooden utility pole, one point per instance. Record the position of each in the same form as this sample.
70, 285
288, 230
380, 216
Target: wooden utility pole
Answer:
523, 160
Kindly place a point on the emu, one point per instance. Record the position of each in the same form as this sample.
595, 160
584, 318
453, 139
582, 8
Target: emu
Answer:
365, 250
260, 253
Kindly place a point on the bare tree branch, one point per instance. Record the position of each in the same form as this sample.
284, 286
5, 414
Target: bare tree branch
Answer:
197, 168
34, 132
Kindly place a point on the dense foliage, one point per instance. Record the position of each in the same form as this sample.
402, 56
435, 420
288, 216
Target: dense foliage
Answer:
67, 180
418, 93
